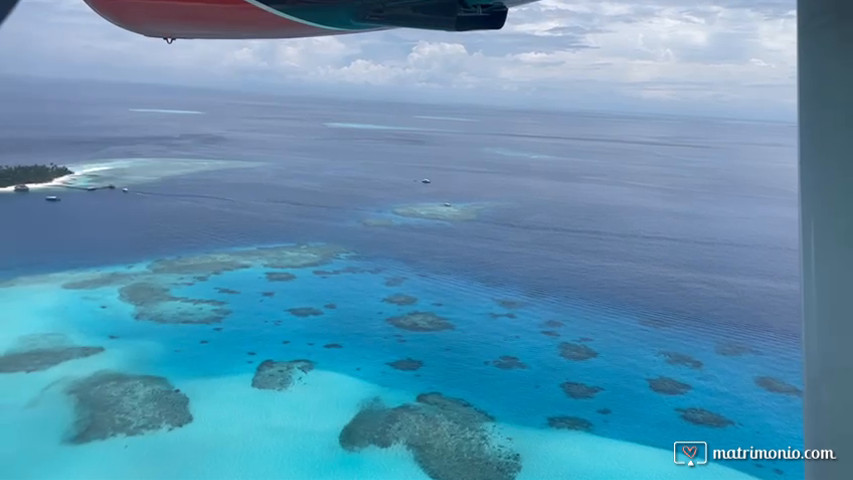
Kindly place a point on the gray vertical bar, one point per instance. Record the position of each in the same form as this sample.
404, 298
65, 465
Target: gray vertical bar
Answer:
825, 51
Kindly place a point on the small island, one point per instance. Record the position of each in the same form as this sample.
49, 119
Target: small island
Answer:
24, 174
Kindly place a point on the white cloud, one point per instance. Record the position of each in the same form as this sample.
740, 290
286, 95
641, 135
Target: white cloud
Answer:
676, 54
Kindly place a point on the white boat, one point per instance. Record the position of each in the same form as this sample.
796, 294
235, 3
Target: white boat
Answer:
52, 198
124, 189
21, 188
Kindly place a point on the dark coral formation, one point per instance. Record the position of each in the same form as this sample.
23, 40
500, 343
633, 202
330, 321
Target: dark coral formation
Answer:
507, 362
733, 349
273, 375
570, 423
99, 280
268, 294
43, 358
449, 438
155, 303
108, 404
421, 322
604, 411
280, 276
203, 265
148, 290
141, 294
294, 256
227, 291
775, 385
550, 333
278, 257
394, 281
305, 312
406, 364
668, 386
330, 306
681, 359
401, 299
579, 390
502, 315
333, 345
510, 304
576, 351
345, 270
553, 324
700, 416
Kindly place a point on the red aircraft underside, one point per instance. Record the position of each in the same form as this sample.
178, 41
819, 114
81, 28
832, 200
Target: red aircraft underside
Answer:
202, 19
240, 19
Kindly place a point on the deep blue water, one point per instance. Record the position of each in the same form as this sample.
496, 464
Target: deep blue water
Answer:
643, 233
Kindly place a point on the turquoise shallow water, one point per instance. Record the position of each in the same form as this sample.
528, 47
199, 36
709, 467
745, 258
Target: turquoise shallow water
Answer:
610, 239
293, 434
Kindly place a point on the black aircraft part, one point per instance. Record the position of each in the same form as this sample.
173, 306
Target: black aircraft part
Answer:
447, 15
6, 7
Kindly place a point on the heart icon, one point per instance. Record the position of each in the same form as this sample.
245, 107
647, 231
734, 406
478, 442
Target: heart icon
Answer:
689, 451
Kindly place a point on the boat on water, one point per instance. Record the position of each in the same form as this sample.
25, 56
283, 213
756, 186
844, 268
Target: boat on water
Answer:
22, 188
52, 198
124, 189
91, 189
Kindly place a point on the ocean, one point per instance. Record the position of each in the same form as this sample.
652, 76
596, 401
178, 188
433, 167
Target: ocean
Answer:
281, 294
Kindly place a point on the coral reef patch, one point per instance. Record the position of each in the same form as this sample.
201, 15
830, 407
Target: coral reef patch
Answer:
668, 386
576, 351
700, 416
681, 359
507, 362
449, 438
580, 391
570, 423
273, 375
775, 385
421, 322
109, 404
406, 364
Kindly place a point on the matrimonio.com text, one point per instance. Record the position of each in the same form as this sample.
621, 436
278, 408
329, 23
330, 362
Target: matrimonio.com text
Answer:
696, 453
789, 453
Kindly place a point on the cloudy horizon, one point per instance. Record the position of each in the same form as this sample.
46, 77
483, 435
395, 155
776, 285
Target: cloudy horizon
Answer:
734, 58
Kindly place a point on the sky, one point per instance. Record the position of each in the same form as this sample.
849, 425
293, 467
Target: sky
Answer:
713, 57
